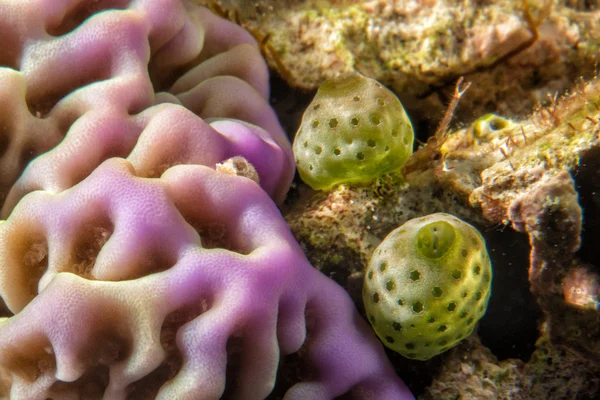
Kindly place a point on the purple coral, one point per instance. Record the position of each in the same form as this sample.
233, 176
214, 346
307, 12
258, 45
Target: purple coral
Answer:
70, 70
150, 279
129, 267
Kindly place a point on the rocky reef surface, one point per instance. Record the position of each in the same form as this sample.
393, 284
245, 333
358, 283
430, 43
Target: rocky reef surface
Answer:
515, 52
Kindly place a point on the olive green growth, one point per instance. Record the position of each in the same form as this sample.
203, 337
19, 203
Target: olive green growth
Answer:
353, 131
427, 285
484, 127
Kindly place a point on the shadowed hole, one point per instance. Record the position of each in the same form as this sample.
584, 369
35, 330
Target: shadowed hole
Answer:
375, 297
451, 307
375, 119
436, 291
354, 121
148, 386
91, 385
415, 275
92, 237
418, 307
33, 254
333, 123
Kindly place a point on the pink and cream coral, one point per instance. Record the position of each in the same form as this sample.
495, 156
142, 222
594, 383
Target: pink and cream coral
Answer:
134, 262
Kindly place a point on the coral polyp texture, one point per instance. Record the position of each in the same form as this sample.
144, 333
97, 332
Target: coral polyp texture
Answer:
353, 131
66, 68
427, 285
132, 287
142, 254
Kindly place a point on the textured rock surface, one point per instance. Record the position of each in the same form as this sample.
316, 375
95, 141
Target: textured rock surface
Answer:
517, 53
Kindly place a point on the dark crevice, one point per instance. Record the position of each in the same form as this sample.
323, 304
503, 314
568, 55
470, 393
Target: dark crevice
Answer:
148, 387
92, 238
41, 104
510, 326
587, 184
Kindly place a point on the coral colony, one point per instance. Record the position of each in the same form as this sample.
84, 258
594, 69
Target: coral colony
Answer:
137, 258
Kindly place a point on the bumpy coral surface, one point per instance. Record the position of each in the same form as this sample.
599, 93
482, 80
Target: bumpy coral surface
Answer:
427, 285
141, 281
67, 69
353, 131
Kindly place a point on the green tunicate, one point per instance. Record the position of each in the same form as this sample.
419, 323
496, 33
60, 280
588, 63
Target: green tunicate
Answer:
353, 131
487, 125
434, 288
